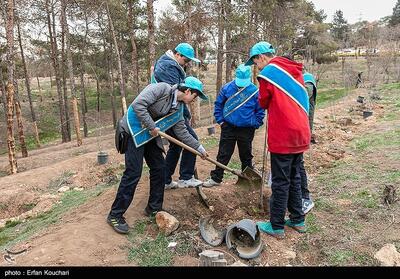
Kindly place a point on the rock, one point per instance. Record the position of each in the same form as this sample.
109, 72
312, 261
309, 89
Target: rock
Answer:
166, 222
78, 189
388, 255
289, 254
63, 189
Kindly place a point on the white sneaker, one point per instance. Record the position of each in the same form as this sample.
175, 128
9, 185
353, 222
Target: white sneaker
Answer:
172, 185
190, 183
210, 183
308, 204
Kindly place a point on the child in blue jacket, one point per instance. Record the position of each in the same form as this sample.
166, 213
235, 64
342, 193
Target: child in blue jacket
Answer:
238, 113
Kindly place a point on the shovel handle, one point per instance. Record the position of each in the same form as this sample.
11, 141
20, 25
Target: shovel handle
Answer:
194, 151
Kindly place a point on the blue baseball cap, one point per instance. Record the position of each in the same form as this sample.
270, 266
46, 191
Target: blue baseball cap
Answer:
259, 48
309, 78
187, 50
196, 84
243, 75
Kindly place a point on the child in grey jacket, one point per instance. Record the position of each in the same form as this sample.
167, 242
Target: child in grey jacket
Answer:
154, 102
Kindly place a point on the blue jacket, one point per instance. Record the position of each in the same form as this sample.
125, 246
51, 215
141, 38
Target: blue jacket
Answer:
248, 115
169, 71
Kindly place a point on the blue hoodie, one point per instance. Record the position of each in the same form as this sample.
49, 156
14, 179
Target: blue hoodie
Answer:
248, 115
168, 70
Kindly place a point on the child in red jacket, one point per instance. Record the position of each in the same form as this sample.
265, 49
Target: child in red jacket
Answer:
283, 94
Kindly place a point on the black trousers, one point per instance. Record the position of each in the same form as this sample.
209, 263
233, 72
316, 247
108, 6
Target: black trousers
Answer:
188, 159
305, 193
230, 136
133, 171
286, 192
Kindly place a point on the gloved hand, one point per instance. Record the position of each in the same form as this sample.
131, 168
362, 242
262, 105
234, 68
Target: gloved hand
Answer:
203, 152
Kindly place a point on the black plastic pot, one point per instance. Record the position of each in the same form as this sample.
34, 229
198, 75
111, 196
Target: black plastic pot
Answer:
102, 158
211, 130
367, 113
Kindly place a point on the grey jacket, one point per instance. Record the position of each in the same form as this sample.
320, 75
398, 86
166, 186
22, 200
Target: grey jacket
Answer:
154, 102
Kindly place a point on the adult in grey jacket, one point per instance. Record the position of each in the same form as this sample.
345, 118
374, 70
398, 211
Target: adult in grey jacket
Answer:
154, 102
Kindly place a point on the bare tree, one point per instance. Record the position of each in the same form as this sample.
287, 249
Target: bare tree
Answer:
10, 87
54, 59
220, 55
28, 86
20, 124
120, 75
150, 30
71, 73
134, 56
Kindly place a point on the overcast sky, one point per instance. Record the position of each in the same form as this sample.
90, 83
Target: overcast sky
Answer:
353, 10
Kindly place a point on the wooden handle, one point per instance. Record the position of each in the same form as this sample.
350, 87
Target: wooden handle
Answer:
194, 151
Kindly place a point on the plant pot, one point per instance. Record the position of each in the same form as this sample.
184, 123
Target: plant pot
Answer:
211, 130
367, 113
360, 99
102, 158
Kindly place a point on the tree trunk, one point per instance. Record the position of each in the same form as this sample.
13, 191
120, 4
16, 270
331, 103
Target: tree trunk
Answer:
111, 85
64, 82
4, 93
220, 47
39, 88
134, 56
71, 74
20, 124
120, 76
10, 87
54, 59
228, 64
83, 97
150, 30
28, 87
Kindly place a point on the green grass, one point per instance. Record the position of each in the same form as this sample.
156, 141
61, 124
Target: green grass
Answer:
376, 140
234, 165
210, 142
152, 252
326, 97
366, 199
312, 224
340, 257
71, 199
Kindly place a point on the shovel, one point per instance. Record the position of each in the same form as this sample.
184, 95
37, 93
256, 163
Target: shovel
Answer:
244, 178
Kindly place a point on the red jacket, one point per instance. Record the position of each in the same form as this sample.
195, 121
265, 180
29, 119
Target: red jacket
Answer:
288, 127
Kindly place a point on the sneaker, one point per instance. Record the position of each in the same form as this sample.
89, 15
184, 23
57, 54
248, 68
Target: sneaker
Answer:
151, 213
267, 228
300, 227
210, 183
308, 204
118, 224
190, 183
172, 185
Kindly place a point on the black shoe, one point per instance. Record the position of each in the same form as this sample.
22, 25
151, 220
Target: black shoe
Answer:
151, 213
118, 224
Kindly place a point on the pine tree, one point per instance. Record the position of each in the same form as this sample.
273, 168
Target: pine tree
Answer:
340, 27
395, 18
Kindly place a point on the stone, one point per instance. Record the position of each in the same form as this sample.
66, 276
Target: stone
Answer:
166, 222
388, 255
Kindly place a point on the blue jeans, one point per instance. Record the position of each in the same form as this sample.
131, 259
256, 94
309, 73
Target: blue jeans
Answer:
286, 189
133, 171
188, 160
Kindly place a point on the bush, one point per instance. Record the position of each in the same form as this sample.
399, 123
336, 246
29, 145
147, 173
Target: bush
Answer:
326, 59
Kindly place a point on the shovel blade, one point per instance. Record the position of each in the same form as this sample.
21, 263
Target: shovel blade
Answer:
249, 178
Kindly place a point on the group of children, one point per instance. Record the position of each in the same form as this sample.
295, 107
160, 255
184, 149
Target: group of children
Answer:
284, 93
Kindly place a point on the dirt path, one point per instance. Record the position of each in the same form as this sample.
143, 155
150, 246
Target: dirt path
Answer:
82, 236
